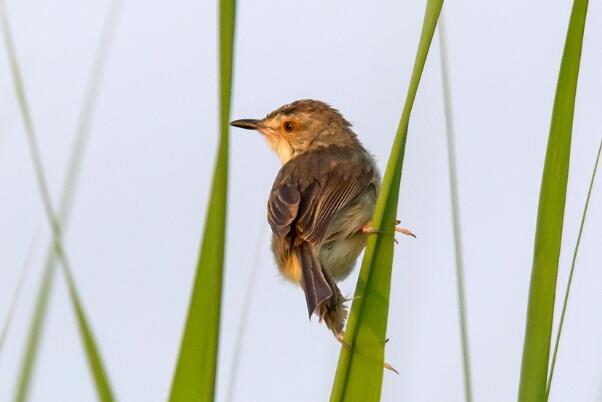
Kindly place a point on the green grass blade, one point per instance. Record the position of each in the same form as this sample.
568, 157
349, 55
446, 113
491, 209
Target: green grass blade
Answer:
244, 315
552, 198
455, 207
195, 374
86, 114
360, 368
570, 280
35, 330
101, 380
16, 294
67, 196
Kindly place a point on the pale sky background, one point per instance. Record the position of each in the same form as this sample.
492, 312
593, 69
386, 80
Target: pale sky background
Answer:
140, 209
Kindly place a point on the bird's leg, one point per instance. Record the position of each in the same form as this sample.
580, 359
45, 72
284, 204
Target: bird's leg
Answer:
367, 228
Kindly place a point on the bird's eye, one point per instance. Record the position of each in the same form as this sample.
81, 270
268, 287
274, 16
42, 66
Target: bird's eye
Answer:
288, 126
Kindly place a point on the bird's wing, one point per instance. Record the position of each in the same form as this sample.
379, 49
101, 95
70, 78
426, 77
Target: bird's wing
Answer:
311, 188
308, 193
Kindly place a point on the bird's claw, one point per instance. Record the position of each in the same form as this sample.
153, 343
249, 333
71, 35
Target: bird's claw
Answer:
340, 337
405, 231
389, 367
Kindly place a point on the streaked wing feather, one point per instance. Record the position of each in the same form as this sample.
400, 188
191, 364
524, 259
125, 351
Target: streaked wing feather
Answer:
311, 188
283, 206
333, 197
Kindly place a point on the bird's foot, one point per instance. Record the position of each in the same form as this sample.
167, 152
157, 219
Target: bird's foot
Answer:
340, 338
405, 231
367, 228
389, 367
350, 298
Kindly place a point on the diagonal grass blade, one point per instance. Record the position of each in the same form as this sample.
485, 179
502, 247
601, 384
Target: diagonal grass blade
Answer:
16, 294
360, 369
101, 380
67, 196
570, 280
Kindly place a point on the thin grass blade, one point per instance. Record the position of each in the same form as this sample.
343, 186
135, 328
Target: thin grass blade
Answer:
16, 294
244, 315
195, 374
550, 216
455, 207
70, 184
360, 369
572, 272
101, 379
103, 388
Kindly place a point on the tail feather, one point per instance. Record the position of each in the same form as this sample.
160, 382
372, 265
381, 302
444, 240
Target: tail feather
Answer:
314, 283
333, 311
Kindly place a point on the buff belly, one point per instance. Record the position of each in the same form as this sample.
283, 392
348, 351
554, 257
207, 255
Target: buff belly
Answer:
339, 256
345, 240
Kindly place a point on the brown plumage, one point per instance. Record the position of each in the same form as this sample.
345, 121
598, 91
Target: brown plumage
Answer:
321, 201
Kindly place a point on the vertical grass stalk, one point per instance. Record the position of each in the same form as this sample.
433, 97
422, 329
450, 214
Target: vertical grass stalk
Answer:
455, 208
100, 377
550, 216
360, 369
196, 369
572, 271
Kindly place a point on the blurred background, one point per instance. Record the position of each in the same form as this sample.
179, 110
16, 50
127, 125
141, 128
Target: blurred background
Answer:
139, 211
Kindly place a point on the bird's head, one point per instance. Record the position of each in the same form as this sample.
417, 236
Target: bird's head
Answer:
301, 126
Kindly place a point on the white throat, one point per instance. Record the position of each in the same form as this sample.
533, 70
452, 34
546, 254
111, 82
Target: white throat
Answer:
282, 148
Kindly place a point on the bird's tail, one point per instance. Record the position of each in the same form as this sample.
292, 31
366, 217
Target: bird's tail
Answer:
321, 291
333, 310
314, 283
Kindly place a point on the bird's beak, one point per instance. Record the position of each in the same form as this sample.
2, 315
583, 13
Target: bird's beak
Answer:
249, 124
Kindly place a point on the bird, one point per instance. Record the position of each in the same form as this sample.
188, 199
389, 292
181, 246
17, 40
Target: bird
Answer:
321, 204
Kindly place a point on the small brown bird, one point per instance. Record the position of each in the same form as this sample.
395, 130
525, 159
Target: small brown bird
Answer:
321, 204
